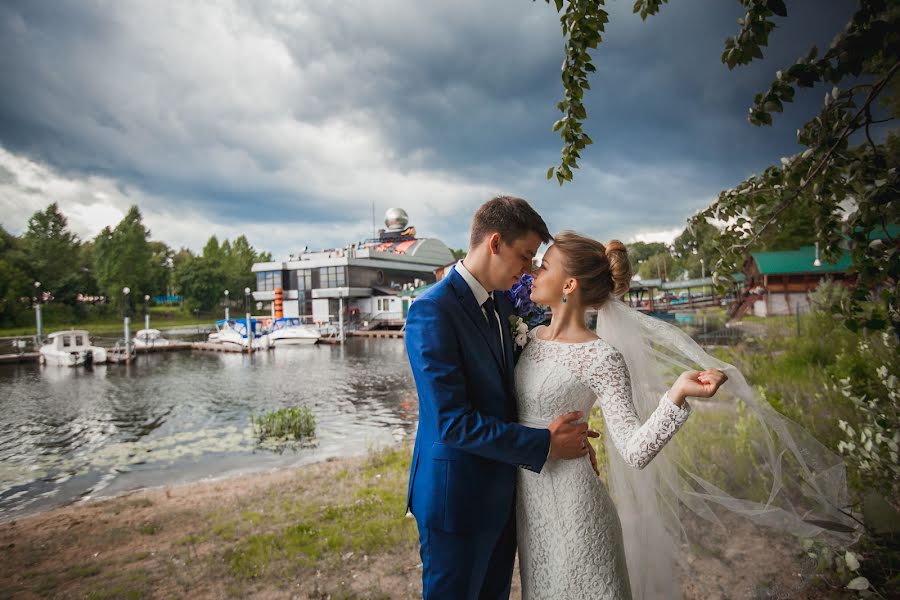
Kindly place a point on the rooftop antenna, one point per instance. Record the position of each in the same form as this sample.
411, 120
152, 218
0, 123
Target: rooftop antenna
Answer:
374, 233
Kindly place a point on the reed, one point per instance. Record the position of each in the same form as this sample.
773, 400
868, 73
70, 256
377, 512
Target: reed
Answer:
292, 423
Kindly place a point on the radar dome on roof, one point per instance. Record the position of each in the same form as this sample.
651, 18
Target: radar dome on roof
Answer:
396, 219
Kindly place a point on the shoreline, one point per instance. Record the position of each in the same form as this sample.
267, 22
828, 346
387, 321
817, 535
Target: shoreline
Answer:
334, 528
234, 536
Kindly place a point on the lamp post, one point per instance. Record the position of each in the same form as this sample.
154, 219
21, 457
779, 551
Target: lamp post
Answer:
341, 314
817, 262
146, 311
226, 306
127, 318
249, 328
37, 313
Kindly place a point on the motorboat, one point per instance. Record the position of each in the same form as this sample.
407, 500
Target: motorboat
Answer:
234, 331
149, 338
71, 348
290, 331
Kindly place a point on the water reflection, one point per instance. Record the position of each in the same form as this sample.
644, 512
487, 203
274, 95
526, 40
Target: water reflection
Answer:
173, 417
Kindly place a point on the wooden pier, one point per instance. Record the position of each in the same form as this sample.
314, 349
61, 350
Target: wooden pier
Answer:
170, 347
6, 359
214, 347
385, 333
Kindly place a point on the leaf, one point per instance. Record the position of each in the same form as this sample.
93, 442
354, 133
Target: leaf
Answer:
859, 583
777, 7
550, 173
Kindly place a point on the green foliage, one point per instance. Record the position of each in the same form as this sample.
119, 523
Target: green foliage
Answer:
51, 253
871, 444
815, 186
292, 423
122, 258
583, 24
202, 280
638, 252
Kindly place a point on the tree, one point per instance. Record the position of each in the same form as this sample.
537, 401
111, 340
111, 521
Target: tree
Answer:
201, 282
226, 266
842, 162
122, 258
51, 253
15, 284
638, 252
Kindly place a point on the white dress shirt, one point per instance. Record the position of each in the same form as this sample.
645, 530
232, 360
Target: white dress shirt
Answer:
481, 294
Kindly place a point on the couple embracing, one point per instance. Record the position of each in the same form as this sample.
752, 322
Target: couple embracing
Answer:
501, 457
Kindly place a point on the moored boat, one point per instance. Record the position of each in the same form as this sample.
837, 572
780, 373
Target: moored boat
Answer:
71, 348
289, 331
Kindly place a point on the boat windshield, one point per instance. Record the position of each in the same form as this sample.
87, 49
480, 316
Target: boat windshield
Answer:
286, 322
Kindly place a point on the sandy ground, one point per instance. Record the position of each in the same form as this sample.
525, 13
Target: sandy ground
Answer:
157, 544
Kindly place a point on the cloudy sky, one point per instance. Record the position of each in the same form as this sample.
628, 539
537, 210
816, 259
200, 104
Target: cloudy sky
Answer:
286, 120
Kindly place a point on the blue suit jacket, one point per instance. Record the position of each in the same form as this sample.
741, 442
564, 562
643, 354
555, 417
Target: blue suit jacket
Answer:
468, 444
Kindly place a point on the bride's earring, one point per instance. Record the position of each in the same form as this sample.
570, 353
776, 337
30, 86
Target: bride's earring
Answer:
565, 299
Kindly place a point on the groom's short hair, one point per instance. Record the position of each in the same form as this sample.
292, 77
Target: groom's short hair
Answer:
511, 217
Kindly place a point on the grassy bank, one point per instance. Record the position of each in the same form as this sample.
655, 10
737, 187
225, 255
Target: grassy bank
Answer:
160, 318
335, 529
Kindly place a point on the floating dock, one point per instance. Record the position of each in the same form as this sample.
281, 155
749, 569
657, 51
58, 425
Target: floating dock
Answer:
384, 333
6, 359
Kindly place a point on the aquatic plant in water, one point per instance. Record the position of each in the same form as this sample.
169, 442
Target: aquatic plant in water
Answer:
295, 423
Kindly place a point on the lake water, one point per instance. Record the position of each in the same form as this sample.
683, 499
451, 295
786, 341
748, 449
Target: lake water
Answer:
68, 434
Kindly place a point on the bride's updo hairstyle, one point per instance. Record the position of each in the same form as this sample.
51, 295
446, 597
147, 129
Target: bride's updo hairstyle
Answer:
601, 270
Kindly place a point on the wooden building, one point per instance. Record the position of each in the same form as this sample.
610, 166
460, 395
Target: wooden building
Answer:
777, 283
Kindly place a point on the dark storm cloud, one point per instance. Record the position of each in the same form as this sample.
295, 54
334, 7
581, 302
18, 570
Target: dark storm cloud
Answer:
280, 113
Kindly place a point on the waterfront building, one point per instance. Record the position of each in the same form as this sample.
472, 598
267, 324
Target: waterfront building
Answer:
366, 277
779, 283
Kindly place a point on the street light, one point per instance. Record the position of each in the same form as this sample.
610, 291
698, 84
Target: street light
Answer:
249, 328
146, 311
226, 305
817, 262
37, 313
126, 309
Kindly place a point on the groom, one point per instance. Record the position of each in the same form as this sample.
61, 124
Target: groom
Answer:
468, 445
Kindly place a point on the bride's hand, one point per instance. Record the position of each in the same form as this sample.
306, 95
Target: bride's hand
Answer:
697, 384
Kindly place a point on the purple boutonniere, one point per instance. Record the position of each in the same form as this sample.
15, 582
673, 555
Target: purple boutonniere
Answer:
527, 314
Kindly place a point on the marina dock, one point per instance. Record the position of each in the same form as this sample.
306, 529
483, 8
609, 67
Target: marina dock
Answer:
386, 333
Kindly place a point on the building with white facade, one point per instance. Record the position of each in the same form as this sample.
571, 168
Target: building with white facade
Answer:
365, 277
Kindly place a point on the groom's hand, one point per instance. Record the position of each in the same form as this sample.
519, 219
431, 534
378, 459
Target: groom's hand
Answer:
568, 439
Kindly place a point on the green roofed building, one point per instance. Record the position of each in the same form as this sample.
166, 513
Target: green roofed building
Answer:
779, 282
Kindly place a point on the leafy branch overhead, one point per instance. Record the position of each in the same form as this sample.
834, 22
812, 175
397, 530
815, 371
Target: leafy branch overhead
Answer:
846, 178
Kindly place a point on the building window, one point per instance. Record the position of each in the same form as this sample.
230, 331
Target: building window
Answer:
332, 277
67, 341
79, 340
302, 279
267, 281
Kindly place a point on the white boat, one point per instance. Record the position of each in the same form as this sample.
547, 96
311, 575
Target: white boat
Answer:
71, 349
149, 338
234, 331
289, 331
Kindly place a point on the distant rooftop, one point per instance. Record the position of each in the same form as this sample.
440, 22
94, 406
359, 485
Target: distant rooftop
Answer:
797, 261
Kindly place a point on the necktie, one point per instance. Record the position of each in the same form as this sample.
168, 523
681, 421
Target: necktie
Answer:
494, 327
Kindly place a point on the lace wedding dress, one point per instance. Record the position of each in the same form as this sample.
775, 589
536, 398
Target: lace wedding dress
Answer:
569, 536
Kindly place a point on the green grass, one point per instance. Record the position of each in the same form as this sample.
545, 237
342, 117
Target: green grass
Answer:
149, 528
370, 520
114, 324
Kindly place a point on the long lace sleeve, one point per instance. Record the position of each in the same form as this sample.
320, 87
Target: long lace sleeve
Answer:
638, 444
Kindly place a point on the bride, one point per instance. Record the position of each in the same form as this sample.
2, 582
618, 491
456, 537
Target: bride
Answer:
574, 541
